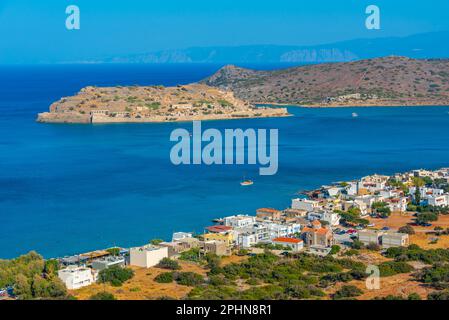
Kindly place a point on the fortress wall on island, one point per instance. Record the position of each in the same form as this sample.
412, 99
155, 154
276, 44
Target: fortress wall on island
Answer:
75, 117
63, 117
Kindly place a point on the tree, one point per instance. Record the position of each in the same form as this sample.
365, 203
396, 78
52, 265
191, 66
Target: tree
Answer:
335, 249
155, 242
381, 209
102, 296
408, 229
426, 217
439, 295
417, 196
373, 246
189, 278
22, 287
357, 244
414, 296
418, 183
167, 263
115, 275
166, 277
113, 251
51, 267
347, 291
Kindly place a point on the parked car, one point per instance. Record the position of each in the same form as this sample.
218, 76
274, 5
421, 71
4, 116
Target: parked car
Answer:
385, 228
371, 225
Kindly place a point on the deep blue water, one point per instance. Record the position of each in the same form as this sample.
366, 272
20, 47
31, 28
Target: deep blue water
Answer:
72, 188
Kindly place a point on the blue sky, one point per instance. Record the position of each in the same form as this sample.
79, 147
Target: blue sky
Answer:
34, 31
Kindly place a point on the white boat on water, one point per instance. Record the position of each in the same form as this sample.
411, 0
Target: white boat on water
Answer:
246, 183
354, 115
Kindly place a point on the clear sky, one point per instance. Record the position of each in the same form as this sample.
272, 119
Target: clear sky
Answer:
34, 30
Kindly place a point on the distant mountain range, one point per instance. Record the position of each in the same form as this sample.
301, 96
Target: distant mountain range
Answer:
428, 45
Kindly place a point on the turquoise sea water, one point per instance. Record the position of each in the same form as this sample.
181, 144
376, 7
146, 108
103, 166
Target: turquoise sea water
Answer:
72, 188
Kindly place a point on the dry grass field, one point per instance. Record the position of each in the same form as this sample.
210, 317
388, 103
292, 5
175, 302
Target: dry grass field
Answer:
142, 286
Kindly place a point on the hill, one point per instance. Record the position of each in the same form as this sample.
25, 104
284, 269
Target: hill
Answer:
153, 104
387, 81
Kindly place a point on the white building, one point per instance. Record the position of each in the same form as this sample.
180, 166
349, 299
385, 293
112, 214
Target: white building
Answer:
305, 204
352, 188
397, 204
147, 256
76, 277
330, 217
373, 183
239, 221
333, 191
438, 201
363, 207
394, 239
294, 244
389, 193
277, 230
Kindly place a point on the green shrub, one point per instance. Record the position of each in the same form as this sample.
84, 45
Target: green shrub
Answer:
166, 277
347, 291
189, 278
115, 275
102, 296
439, 295
335, 249
190, 255
373, 246
167, 263
408, 229
391, 268
414, 296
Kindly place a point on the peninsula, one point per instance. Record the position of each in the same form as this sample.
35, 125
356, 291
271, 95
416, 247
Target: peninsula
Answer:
153, 104
388, 81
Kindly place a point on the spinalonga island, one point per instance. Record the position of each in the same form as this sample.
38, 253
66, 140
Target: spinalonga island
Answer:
123, 104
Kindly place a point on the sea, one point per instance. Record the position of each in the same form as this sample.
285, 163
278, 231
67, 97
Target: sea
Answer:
69, 188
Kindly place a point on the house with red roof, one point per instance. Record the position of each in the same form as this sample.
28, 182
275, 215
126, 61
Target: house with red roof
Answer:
293, 243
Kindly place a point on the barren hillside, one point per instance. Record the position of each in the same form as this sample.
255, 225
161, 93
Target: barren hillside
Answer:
380, 81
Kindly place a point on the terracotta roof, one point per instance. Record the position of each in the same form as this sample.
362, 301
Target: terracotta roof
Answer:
219, 228
289, 240
271, 210
319, 231
316, 223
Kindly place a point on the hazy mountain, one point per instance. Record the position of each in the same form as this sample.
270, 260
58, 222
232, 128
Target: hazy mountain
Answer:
426, 45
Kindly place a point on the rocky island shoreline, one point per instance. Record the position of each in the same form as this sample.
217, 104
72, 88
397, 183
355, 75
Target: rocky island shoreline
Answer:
140, 104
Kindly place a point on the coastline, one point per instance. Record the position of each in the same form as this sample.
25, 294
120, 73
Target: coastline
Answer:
352, 105
49, 117
308, 192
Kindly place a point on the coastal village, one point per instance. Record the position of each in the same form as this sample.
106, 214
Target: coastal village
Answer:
378, 212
